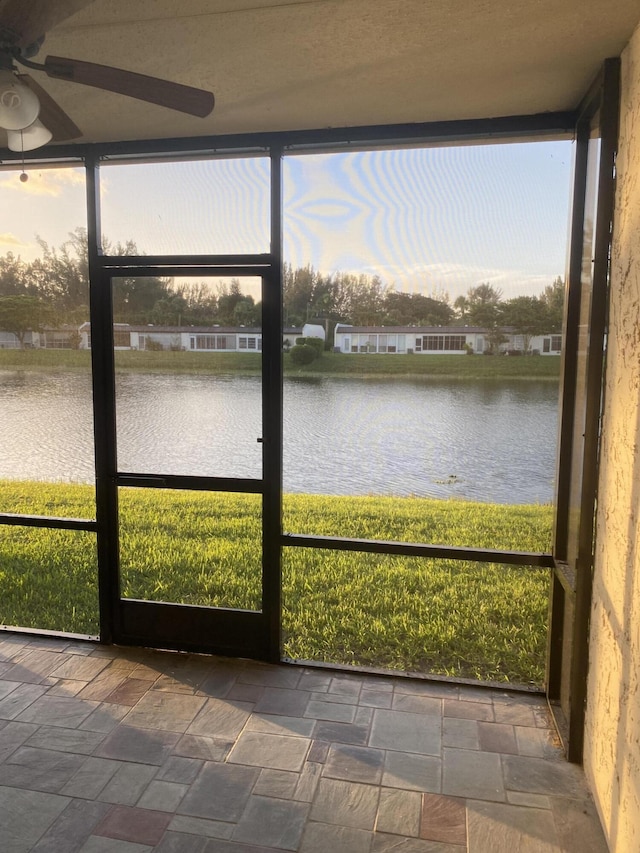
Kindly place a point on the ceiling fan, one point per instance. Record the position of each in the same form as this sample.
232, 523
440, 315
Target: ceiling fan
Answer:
29, 115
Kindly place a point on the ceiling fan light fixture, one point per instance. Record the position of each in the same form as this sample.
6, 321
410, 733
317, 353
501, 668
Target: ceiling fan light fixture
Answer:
19, 106
31, 137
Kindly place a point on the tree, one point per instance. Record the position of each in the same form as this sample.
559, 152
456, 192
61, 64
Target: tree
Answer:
305, 293
356, 298
61, 275
367, 299
404, 309
527, 316
134, 298
246, 312
552, 298
461, 309
494, 337
345, 297
22, 314
201, 303
236, 308
482, 306
14, 276
169, 310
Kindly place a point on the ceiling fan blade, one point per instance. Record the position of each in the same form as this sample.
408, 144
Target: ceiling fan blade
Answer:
175, 96
28, 20
51, 115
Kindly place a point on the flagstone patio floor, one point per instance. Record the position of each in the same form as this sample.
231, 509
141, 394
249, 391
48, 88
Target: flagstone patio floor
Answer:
113, 750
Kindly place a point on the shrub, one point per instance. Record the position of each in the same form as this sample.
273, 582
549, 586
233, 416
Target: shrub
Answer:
316, 343
303, 354
153, 345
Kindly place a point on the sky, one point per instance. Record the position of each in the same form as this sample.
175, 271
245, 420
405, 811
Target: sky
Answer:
426, 220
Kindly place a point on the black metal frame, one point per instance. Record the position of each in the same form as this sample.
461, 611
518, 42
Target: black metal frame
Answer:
48, 521
521, 128
417, 549
570, 600
187, 627
121, 623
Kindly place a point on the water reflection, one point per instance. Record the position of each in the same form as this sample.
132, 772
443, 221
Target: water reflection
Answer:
46, 426
195, 425
484, 441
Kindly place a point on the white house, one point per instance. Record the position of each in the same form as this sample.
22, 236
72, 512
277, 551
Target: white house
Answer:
188, 338
9, 341
449, 340
313, 330
47, 338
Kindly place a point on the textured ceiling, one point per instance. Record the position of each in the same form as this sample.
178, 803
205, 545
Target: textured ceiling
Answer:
276, 65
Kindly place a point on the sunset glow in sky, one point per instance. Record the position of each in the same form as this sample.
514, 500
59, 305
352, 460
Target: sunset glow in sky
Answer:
428, 220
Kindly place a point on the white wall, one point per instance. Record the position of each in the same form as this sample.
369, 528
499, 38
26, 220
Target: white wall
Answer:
612, 746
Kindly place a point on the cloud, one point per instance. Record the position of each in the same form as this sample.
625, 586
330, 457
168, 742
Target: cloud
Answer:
8, 239
45, 182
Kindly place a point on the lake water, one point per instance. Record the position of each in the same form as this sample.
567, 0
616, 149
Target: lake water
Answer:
485, 441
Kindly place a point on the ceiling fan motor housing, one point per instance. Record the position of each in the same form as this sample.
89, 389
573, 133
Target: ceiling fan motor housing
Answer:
19, 106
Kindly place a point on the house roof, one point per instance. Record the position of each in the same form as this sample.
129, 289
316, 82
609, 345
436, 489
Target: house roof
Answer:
292, 64
191, 330
126, 327
411, 330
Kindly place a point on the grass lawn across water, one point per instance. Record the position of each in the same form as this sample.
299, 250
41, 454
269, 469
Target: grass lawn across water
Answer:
357, 365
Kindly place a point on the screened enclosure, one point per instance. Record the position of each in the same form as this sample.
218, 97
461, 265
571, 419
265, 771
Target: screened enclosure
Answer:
193, 459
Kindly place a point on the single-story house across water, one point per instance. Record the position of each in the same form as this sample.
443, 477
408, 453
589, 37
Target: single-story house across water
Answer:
450, 340
187, 338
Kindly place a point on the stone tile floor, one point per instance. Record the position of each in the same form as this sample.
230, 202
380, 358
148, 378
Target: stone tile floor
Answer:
106, 750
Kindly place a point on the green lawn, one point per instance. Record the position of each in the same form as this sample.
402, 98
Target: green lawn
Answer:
459, 618
437, 366
330, 364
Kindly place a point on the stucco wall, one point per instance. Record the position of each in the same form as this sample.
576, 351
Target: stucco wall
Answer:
612, 752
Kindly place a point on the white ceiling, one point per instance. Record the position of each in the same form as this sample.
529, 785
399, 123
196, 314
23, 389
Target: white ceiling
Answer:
278, 65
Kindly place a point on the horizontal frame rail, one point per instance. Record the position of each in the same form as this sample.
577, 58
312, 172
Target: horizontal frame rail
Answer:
185, 270
49, 521
231, 145
200, 484
413, 549
181, 262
